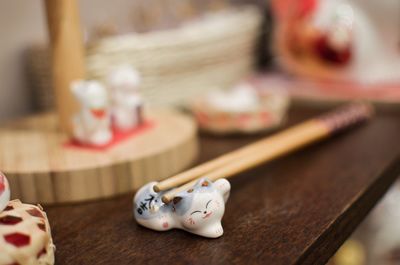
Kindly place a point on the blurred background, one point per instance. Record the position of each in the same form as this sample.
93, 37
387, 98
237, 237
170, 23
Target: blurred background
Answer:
229, 57
23, 25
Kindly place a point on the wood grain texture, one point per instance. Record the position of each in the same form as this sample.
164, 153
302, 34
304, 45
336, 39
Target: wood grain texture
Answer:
296, 210
42, 169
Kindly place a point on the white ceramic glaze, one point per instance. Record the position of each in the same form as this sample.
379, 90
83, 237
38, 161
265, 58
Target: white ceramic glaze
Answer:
241, 98
348, 40
245, 108
92, 125
4, 192
126, 101
198, 210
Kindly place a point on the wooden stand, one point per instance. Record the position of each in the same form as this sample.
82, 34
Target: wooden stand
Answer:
40, 168
68, 63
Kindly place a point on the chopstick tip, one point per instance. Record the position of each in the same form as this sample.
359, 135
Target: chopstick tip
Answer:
165, 199
156, 188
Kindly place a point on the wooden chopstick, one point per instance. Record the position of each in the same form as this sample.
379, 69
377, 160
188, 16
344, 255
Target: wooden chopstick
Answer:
204, 168
218, 162
271, 147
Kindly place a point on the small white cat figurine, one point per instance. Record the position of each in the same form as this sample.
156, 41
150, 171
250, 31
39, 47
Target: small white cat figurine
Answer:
127, 103
198, 210
92, 125
4, 192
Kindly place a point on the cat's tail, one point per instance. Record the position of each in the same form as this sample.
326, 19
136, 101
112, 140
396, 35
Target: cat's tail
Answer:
223, 186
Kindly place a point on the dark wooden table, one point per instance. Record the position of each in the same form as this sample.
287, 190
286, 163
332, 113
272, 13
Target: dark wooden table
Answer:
296, 210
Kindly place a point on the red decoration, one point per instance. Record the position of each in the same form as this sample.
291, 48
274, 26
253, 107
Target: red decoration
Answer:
42, 226
2, 184
35, 212
265, 117
202, 117
222, 118
244, 119
118, 137
10, 220
306, 7
329, 54
98, 113
17, 239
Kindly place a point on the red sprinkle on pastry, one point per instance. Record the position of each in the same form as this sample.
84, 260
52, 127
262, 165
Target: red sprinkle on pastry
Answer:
35, 212
42, 226
18, 239
10, 220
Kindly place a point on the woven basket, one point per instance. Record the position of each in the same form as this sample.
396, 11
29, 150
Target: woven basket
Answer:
176, 64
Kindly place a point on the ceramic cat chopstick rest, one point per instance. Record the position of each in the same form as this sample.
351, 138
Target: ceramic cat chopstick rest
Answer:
198, 207
198, 210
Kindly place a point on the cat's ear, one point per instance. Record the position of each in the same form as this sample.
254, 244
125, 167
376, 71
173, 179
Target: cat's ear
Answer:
77, 88
203, 183
182, 202
177, 200
180, 199
224, 187
206, 183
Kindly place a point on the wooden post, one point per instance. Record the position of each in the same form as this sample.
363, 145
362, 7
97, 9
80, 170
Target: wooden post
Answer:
68, 62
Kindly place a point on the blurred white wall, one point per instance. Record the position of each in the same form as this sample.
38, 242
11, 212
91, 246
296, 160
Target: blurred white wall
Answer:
22, 23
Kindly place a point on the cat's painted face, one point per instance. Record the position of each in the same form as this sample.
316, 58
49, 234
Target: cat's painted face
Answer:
206, 208
91, 94
124, 79
199, 206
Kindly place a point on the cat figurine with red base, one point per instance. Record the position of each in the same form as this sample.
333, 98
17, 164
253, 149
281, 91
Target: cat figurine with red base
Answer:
198, 210
127, 102
92, 125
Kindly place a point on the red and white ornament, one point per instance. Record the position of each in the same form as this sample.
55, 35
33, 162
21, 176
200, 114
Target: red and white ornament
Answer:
340, 40
4, 192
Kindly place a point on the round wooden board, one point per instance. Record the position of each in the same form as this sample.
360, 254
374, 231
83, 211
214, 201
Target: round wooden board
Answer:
40, 168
